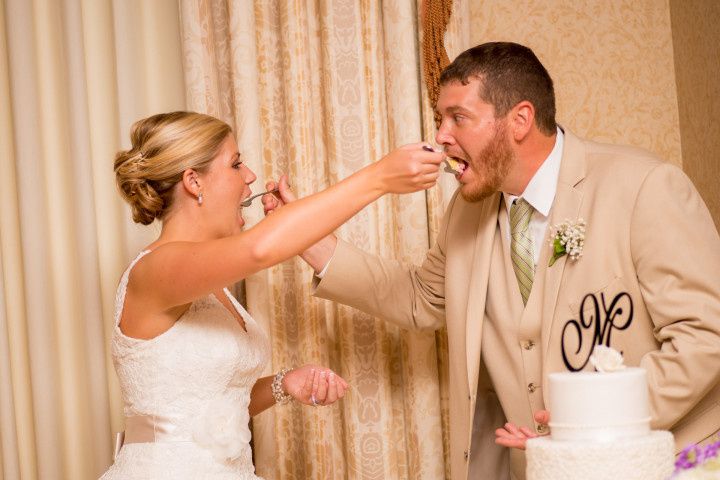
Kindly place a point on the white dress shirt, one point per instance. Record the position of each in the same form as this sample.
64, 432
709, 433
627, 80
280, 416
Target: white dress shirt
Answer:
540, 193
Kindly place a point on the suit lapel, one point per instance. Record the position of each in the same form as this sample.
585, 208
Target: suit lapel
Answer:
566, 205
477, 291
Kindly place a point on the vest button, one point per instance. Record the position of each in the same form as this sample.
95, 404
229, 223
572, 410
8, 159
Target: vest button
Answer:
465, 454
532, 387
541, 428
528, 345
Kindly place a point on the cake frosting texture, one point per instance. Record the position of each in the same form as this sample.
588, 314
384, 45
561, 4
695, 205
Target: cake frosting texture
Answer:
649, 457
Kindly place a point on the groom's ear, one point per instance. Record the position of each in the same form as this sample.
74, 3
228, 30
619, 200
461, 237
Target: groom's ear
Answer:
521, 120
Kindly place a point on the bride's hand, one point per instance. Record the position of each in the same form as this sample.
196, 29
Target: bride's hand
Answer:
409, 168
512, 436
313, 382
273, 201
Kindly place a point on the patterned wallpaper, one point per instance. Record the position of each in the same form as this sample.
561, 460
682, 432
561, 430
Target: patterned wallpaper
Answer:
696, 43
611, 61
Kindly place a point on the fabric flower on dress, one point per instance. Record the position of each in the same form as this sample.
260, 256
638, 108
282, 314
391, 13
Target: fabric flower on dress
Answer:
606, 359
223, 429
567, 238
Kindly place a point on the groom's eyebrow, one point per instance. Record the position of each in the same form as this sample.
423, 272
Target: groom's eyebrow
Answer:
456, 108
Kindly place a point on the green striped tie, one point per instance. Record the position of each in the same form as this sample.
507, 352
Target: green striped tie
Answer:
521, 247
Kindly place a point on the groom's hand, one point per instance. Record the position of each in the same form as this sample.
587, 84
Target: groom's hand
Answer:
512, 436
542, 417
273, 201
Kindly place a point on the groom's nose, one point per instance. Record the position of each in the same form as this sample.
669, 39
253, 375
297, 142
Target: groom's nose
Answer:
444, 135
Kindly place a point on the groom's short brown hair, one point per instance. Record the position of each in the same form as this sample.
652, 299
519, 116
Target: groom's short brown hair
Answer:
509, 73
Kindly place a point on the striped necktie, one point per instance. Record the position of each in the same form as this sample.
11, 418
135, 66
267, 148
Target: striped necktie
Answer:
521, 247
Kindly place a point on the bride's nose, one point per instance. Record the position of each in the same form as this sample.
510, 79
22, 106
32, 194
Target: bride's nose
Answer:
250, 176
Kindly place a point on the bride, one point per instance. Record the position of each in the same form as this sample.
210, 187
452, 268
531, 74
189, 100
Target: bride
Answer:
187, 354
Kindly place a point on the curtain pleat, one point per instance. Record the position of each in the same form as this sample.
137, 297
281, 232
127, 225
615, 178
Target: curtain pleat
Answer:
65, 236
17, 427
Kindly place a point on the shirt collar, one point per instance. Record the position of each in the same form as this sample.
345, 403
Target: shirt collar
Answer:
540, 191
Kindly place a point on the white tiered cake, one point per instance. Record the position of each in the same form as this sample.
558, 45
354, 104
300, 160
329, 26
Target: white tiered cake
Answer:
600, 429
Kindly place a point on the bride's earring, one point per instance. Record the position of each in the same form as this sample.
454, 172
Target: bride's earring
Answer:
199, 197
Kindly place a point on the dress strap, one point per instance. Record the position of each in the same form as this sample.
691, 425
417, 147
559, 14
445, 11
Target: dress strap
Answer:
238, 306
122, 287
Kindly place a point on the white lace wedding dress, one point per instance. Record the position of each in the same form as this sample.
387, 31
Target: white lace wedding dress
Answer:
186, 394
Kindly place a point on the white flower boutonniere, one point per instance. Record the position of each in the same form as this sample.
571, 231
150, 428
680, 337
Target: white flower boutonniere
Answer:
567, 238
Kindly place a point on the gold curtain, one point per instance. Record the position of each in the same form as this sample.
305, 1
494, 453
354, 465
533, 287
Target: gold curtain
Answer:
318, 90
73, 75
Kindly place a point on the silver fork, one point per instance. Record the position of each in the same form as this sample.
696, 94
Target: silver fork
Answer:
249, 200
447, 168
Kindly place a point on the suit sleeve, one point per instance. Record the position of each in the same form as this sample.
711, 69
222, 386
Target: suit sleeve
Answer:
410, 296
676, 251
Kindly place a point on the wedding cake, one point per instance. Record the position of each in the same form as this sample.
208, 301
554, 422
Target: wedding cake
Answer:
600, 427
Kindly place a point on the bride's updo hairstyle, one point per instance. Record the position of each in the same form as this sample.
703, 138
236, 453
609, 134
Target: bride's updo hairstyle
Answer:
163, 147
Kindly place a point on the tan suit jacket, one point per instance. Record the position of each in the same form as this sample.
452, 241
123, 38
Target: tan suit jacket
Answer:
649, 238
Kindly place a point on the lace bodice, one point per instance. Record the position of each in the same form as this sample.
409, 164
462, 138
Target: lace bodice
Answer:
197, 377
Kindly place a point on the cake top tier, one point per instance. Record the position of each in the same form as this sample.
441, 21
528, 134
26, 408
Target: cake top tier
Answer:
599, 405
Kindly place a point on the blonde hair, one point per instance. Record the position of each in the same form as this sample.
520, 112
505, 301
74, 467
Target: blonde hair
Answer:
163, 147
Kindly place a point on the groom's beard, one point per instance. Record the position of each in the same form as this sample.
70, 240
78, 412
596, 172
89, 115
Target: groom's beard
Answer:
492, 166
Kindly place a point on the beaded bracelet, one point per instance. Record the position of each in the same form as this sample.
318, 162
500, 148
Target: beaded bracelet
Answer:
279, 393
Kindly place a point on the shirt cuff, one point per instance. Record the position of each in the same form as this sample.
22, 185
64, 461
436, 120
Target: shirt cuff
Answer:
322, 272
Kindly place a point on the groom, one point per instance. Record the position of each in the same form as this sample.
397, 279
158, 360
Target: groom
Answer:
644, 275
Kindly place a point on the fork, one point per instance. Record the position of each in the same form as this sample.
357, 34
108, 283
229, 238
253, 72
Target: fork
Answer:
447, 168
249, 200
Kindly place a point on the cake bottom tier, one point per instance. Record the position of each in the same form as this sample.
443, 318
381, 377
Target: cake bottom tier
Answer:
650, 457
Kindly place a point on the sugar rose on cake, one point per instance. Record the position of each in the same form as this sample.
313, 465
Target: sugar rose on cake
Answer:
606, 359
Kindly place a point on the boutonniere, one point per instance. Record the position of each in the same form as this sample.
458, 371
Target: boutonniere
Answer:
567, 238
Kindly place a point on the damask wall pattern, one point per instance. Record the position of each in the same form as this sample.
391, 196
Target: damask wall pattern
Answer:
696, 45
611, 61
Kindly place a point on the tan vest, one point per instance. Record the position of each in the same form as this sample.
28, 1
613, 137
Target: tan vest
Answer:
511, 351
